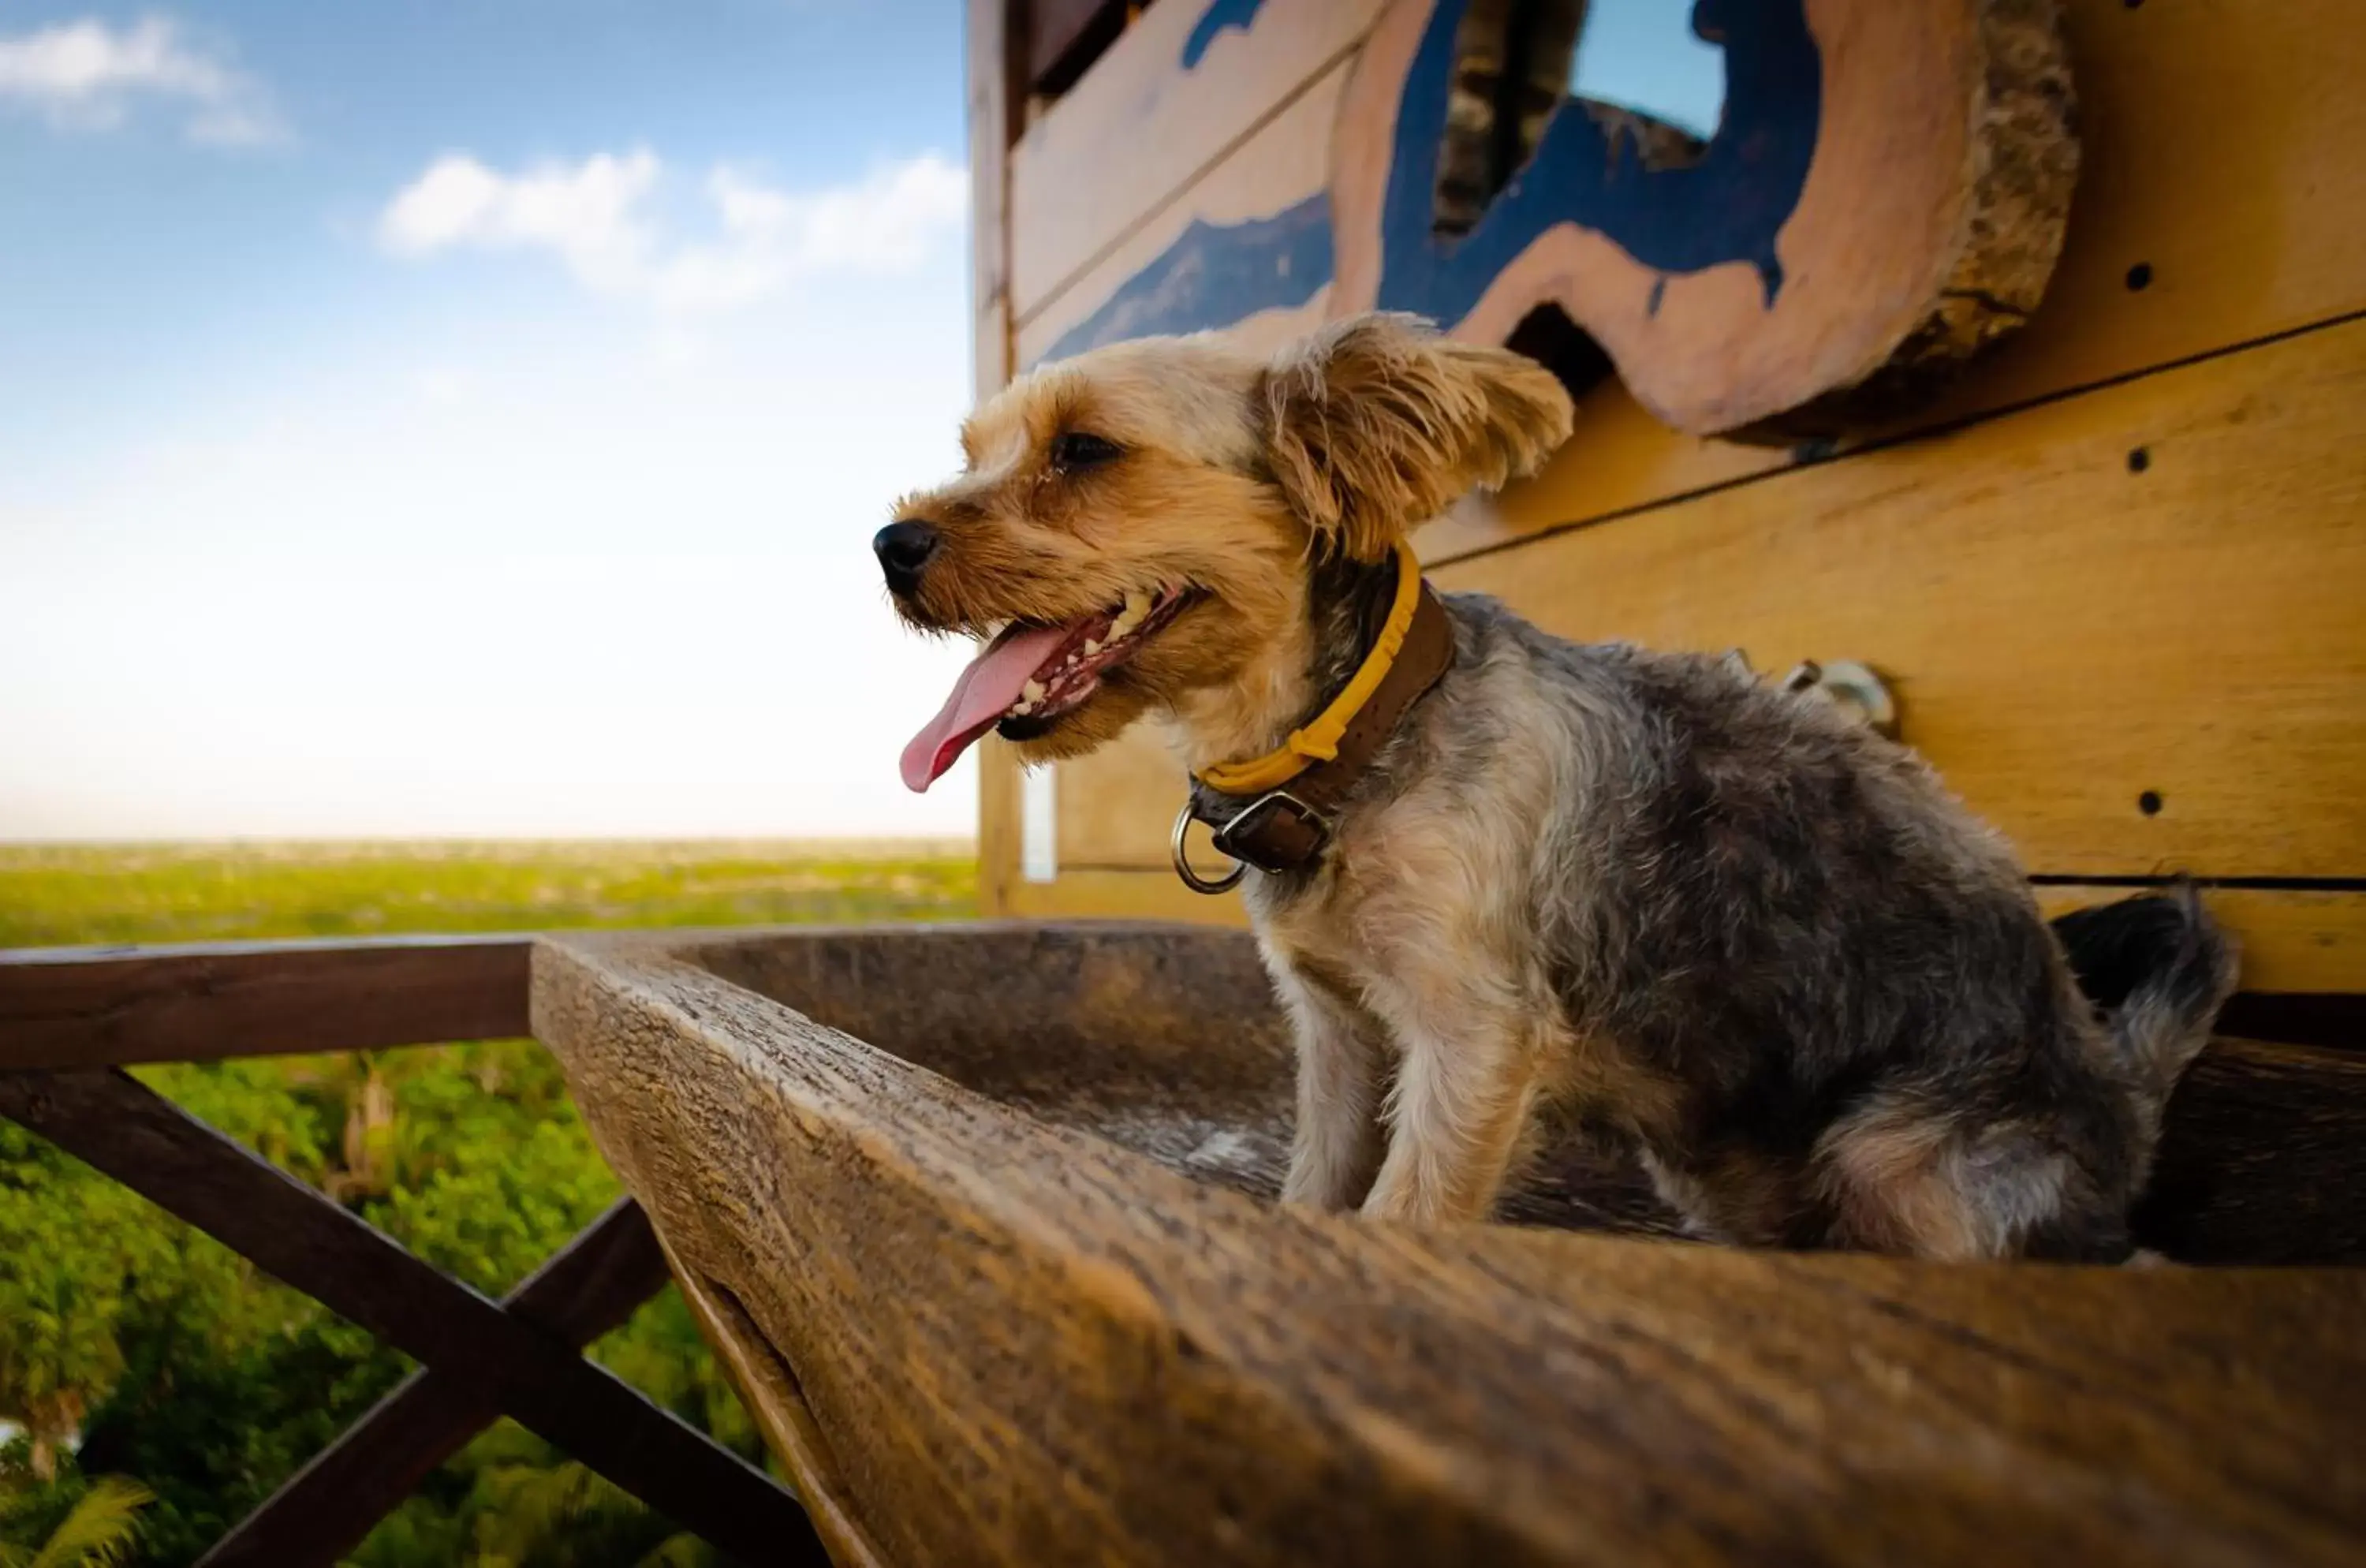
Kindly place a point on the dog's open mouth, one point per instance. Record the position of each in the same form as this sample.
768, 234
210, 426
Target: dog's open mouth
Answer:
1032, 675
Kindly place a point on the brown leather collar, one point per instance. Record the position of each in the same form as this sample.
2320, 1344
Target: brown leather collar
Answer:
1286, 829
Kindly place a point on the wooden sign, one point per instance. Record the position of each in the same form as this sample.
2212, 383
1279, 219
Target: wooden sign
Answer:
1885, 194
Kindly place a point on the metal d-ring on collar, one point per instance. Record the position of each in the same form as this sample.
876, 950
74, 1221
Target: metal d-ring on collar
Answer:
1182, 860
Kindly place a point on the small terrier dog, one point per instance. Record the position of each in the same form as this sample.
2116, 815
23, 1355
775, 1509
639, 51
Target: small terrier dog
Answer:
1734, 924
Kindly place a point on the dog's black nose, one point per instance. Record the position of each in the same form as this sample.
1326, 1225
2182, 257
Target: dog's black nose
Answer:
905, 548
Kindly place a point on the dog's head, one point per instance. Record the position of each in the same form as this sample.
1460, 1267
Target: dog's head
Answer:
1134, 527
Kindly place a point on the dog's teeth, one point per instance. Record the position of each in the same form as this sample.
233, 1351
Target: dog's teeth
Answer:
1021, 708
1031, 693
1137, 605
1091, 647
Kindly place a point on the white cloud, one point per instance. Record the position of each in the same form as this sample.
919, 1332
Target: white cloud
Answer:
86, 75
595, 216
586, 214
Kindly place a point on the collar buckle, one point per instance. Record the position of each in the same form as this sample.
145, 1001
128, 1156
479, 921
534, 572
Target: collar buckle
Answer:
1275, 832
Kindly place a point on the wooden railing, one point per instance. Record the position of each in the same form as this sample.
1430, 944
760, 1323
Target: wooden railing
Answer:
2262, 1163
72, 1019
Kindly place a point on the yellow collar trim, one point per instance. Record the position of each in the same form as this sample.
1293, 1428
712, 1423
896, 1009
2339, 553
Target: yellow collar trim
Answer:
1319, 740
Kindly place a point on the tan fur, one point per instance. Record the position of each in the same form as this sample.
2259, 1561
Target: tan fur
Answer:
1906, 1178
1223, 451
1418, 922
1378, 428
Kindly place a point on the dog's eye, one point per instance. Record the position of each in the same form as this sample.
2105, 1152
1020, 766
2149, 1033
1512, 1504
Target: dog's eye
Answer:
1075, 451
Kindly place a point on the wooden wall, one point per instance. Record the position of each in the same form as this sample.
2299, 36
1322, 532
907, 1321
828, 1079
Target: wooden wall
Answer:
2116, 574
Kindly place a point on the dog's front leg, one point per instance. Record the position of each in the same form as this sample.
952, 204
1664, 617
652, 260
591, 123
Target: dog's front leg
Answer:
1337, 1148
1465, 1086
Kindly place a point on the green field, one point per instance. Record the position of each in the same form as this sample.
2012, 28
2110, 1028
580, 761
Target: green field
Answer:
51, 895
141, 1359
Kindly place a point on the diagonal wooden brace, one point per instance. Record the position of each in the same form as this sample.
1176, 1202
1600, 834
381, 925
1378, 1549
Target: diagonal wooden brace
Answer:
481, 1358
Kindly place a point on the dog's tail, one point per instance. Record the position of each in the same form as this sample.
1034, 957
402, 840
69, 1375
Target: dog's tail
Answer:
2158, 968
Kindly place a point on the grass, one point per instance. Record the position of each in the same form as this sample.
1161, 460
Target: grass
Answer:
53, 895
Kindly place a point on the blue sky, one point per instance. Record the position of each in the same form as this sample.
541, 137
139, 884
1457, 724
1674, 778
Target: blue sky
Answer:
471, 417
468, 417
1645, 55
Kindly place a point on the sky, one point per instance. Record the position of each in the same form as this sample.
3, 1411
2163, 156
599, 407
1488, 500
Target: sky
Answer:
1644, 55
426, 418
471, 417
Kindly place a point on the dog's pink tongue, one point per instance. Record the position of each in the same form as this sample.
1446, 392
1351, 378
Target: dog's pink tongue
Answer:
991, 684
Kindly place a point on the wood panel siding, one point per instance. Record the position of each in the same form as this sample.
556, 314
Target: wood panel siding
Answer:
1267, 176
2069, 639
1169, 99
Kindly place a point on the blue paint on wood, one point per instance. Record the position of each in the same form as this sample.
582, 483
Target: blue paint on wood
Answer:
1213, 275
1219, 15
1730, 206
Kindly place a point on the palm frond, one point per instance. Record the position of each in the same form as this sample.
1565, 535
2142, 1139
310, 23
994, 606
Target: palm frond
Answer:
101, 1530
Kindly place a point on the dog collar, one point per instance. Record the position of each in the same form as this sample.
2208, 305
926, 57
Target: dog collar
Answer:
1257, 820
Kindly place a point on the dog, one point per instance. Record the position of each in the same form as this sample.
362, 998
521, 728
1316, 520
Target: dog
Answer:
1734, 924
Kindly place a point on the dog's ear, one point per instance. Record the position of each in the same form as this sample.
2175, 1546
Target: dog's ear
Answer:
1376, 425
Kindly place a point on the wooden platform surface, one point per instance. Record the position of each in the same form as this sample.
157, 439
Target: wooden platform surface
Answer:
1001, 1284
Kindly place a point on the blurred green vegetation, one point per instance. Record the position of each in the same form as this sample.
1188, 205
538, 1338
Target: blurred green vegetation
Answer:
138, 1357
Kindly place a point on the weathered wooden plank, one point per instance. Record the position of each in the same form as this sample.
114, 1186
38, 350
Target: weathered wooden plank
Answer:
1028, 1344
2130, 665
1104, 893
993, 116
769, 1390
88, 1007
2307, 941
1183, 84
1264, 181
1107, 799
294, 1234
325, 1510
2262, 1158
2098, 649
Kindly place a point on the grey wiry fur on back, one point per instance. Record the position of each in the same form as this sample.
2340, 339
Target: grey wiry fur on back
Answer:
1746, 930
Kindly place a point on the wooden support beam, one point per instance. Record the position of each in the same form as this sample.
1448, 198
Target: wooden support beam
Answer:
102, 1007
323, 1511
996, 99
1064, 37
141, 1139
